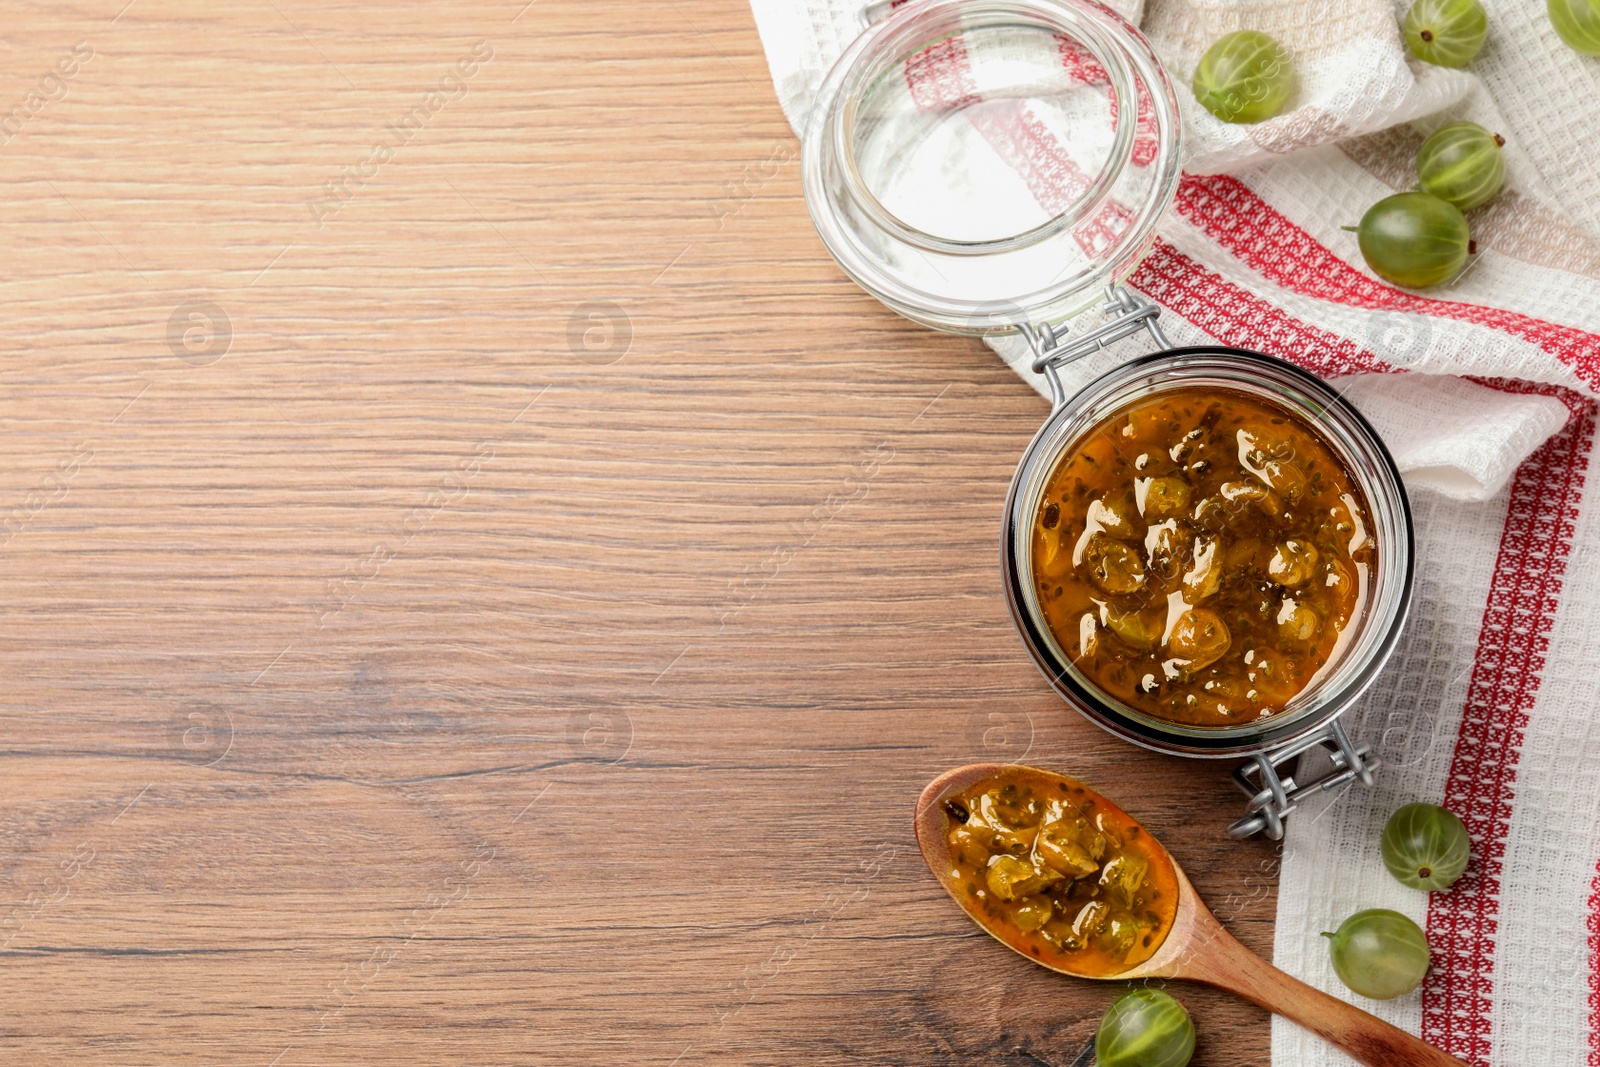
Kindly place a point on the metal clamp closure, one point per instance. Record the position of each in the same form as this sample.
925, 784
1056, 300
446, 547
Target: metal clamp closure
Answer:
1274, 796
1131, 313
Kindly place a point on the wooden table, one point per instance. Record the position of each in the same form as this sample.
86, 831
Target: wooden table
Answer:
478, 584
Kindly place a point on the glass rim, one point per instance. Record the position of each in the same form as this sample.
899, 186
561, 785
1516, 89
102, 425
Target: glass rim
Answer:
1378, 633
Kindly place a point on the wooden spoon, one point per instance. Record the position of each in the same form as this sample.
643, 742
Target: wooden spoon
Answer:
1196, 947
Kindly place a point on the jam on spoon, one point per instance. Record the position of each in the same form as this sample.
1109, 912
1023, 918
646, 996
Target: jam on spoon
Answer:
1063, 873
1004, 855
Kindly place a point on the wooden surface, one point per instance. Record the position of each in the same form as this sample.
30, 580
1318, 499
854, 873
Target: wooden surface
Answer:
520, 634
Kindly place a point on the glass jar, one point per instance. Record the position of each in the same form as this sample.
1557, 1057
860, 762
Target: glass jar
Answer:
1000, 166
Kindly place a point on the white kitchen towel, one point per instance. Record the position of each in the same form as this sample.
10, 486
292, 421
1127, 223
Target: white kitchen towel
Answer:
1492, 703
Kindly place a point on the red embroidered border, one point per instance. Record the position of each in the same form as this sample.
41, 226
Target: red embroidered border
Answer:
940, 78
1238, 317
1594, 970
1512, 643
1255, 232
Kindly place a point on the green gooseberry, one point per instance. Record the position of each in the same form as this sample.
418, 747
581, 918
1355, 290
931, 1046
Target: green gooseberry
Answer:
1414, 239
1145, 1028
1379, 953
1425, 846
1462, 163
1577, 22
1446, 33
1244, 77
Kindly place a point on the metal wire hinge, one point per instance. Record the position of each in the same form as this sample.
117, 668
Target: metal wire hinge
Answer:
1130, 314
1274, 796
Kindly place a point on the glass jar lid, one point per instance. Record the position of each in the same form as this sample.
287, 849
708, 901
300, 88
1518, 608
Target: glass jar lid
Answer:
979, 165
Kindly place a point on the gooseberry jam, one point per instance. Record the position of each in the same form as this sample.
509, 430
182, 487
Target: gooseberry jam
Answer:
1198, 555
1060, 873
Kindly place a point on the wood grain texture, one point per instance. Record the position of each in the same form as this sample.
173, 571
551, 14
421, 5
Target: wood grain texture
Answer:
420, 669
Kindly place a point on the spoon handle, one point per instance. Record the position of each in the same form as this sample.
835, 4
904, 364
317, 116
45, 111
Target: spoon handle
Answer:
1225, 963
